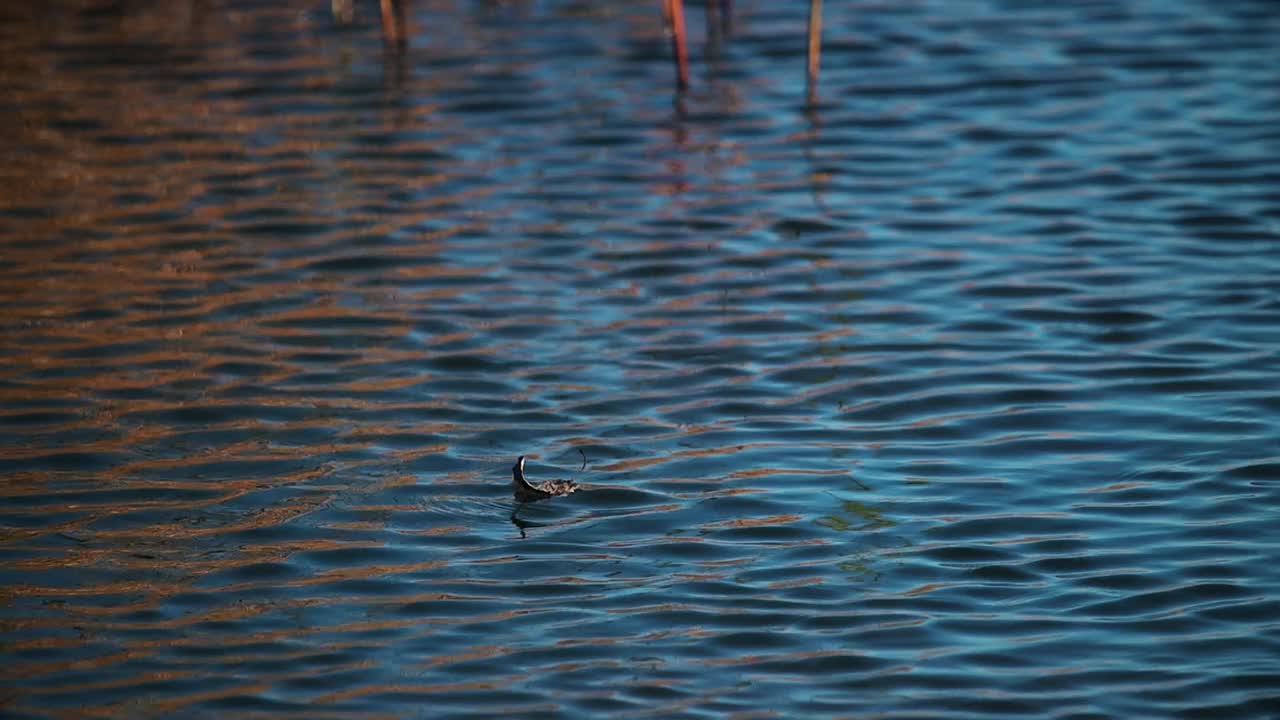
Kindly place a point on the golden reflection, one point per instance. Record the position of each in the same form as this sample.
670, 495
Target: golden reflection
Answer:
798, 582
38, 669
753, 522
497, 683
119, 310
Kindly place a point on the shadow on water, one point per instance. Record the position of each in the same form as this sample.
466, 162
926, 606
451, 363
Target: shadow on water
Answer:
523, 525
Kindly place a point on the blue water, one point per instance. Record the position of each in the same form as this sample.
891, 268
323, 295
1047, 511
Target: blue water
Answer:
955, 393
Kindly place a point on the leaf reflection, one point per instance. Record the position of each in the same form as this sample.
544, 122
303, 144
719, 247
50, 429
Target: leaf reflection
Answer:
856, 516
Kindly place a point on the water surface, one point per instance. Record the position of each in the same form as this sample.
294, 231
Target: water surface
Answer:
952, 395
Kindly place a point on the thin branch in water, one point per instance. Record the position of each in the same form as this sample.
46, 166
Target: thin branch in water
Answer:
675, 15
815, 50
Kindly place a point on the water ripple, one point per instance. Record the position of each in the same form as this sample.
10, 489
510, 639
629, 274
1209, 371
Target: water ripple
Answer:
951, 394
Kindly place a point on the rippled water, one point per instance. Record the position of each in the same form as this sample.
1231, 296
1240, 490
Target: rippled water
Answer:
953, 395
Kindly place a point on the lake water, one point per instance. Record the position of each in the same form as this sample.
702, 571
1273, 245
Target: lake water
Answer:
953, 395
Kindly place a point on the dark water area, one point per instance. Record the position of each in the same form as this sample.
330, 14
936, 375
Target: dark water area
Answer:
955, 394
